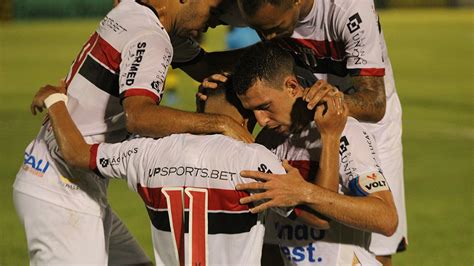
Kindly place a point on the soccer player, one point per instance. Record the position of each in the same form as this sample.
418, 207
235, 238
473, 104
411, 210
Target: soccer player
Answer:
186, 181
114, 87
342, 42
265, 83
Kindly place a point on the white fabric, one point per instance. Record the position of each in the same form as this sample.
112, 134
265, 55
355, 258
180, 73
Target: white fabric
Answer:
212, 163
302, 245
62, 236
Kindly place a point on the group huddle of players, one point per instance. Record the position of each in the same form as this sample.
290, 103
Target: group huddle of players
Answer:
323, 186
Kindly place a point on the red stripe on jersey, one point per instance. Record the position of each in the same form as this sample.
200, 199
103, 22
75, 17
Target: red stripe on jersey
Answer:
93, 157
81, 56
140, 92
302, 166
219, 199
198, 226
174, 200
324, 49
378, 72
107, 54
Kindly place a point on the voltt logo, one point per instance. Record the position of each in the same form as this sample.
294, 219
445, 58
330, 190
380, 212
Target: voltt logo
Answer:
376, 185
354, 23
373, 176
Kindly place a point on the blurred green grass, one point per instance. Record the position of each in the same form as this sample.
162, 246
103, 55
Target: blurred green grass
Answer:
432, 56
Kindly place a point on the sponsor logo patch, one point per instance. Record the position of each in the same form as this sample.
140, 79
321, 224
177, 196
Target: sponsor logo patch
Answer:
35, 165
368, 183
264, 169
354, 23
115, 160
191, 172
138, 57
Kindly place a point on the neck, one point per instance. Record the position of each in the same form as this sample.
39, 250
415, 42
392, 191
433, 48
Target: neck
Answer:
164, 11
306, 6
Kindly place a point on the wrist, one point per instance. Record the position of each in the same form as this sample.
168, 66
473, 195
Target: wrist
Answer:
55, 98
222, 123
330, 138
307, 193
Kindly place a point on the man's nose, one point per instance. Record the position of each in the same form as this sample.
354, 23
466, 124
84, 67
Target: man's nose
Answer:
261, 118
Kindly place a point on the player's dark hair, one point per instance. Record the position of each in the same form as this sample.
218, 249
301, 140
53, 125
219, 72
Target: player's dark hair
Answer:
264, 61
250, 7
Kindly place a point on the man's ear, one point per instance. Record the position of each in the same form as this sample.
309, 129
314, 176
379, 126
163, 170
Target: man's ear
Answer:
293, 87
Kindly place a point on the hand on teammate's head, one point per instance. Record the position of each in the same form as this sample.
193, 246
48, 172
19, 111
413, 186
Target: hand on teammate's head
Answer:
331, 117
213, 82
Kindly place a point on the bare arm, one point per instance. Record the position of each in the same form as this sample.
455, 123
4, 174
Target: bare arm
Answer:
330, 123
368, 102
72, 145
146, 118
211, 63
375, 212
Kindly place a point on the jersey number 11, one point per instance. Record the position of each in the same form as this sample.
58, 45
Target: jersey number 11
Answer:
198, 206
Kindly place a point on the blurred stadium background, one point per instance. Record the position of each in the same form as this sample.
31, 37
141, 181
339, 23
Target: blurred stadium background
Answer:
431, 47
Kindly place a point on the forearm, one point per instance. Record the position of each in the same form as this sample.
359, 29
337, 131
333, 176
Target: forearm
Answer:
328, 171
212, 63
368, 102
74, 149
373, 214
159, 121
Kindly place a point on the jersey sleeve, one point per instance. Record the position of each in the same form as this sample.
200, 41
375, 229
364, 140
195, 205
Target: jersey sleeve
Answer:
120, 160
186, 51
361, 35
145, 62
360, 172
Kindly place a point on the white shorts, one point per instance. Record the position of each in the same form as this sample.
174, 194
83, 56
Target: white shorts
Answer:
61, 236
392, 165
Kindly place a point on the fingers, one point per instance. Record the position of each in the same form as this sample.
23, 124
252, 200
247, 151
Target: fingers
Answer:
287, 166
262, 207
253, 198
33, 109
208, 84
212, 82
256, 175
201, 96
317, 92
250, 186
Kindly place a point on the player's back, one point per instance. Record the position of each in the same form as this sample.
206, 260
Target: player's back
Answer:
188, 185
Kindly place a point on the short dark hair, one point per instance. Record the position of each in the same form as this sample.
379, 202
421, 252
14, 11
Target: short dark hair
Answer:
265, 61
250, 7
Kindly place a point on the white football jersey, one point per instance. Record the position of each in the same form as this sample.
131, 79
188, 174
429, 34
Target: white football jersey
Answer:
188, 185
343, 38
359, 175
